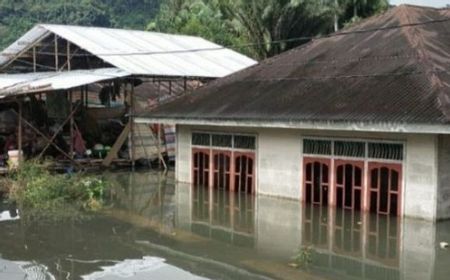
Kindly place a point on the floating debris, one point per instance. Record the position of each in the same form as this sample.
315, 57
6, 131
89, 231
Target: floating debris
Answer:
294, 265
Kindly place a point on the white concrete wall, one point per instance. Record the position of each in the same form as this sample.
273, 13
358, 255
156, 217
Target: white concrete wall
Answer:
443, 194
279, 163
420, 187
183, 155
279, 166
418, 249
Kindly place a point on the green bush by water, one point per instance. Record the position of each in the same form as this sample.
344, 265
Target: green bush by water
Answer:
34, 188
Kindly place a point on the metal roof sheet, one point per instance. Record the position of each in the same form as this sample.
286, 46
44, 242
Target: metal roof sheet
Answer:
141, 52
16, 84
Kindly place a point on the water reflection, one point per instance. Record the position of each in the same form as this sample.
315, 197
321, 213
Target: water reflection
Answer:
353, 244
224, 216
220, 235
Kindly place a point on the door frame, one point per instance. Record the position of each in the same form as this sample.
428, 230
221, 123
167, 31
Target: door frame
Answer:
398, 167
357, 163
326, 161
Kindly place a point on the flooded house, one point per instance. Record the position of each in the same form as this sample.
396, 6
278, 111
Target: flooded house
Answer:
70, 92
358, 119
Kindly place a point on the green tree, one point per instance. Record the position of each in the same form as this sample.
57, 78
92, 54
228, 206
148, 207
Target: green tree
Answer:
349, 11
198, 18
269, 23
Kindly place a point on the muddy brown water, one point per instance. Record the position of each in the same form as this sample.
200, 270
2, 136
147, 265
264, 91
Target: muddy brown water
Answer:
159, 230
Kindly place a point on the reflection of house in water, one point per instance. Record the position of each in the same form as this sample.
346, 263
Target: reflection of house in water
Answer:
351, 243
262, 233
224, 216
344, 243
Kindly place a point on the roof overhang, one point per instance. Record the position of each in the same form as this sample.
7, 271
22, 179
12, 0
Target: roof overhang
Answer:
310, 125
19, 84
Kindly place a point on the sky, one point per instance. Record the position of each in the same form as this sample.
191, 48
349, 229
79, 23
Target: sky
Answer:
432, 3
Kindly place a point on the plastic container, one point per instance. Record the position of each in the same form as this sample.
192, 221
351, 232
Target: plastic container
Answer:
14, 158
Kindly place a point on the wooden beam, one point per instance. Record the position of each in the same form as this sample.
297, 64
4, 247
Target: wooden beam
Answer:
68, 56
117, 145
46, 138
56, 53
34, 59
57, 131
16, 56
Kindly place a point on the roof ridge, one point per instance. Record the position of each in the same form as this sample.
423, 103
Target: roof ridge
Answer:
44, 25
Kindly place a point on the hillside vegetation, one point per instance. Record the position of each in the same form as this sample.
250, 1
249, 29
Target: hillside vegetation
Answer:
259, 28
17, 16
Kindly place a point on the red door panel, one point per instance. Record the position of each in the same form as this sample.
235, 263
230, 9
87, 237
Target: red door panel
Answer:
221, 169
385, 188
200, 167
244, 172
316, 180
349, 181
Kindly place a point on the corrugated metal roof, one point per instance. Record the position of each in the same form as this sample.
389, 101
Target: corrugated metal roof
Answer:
16, 84
390, 74
140, 52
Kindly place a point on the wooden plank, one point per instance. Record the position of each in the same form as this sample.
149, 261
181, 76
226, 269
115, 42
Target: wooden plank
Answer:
117, 145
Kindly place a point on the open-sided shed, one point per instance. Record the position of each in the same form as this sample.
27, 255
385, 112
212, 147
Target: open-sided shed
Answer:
64, 70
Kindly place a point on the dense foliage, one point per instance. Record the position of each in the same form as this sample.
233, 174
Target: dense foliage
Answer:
17, 16
254, 27
258, 26
36, 190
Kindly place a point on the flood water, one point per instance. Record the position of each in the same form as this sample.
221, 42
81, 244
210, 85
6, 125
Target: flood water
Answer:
157, 230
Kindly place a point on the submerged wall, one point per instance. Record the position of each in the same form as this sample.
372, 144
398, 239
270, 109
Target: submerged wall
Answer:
279, 164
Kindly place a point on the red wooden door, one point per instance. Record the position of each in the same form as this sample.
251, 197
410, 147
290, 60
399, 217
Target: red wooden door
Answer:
244, 172
349, 180
316, 180
385, 188
222, 169
200, 167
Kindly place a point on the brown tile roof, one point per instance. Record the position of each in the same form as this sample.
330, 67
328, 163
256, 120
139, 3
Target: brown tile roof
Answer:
398, 73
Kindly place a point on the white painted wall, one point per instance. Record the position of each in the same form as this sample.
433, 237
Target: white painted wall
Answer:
183, 155
443, 194
419, 191
279, 154
279, 163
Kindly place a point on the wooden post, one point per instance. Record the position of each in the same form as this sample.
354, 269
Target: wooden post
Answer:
131, 120
56, 54
34, 59
71, 124
159, 146
86, 96
68, 56
20, 132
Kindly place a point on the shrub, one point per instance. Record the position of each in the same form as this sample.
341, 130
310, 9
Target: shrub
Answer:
33, 187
